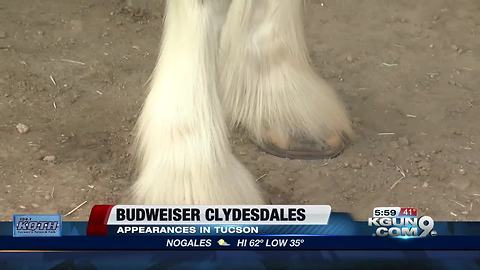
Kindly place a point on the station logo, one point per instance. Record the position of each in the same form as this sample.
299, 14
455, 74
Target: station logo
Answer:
37, 225
401, 222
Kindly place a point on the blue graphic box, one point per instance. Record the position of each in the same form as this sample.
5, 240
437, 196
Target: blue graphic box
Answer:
37, 225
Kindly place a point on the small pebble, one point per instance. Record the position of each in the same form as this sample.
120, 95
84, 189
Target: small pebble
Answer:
364, 162
22, 207
462, 171
356, 165
425, 184
349, 58
35, 205
49, 158
424, 173
454, 47
22, 128
404, 141
394, 145
461, 183
357, 120
424, 165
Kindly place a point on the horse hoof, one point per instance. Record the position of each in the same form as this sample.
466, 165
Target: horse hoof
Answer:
304, 148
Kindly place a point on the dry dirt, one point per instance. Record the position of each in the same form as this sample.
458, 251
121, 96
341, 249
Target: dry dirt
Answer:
73, 72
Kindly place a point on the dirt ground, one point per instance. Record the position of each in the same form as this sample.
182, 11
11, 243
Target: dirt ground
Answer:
73, 71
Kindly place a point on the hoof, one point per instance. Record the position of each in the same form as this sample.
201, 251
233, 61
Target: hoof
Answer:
303, 148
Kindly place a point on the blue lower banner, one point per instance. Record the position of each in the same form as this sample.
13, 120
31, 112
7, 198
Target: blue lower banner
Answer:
396, 242
342, 233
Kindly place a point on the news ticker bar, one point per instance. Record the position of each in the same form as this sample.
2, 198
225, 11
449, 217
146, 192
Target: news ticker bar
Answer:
240, 243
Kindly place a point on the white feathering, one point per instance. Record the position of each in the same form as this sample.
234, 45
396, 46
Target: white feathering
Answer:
183, 150
267, 82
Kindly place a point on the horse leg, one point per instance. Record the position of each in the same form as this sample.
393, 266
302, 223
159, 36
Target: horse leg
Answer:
269, 87
183, 151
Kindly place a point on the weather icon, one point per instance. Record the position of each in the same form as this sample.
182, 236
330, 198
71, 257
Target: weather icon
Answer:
223, 243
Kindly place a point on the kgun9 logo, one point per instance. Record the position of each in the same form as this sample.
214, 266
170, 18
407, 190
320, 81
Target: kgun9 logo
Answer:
403, 226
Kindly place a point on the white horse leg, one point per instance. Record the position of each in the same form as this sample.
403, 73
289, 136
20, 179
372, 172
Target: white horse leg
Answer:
270, 89
184, 154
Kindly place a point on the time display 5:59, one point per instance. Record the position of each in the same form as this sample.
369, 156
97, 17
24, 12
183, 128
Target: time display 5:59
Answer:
386, 211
